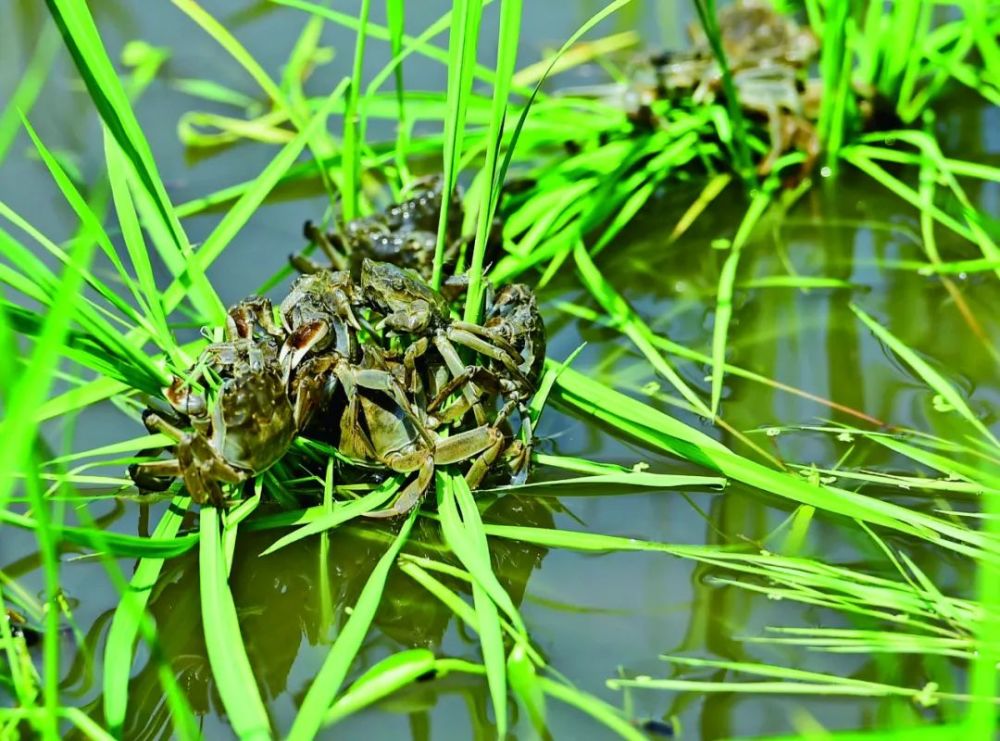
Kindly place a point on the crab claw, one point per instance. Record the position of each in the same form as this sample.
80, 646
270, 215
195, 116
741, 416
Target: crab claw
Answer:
345, 310
179, 395
301, 341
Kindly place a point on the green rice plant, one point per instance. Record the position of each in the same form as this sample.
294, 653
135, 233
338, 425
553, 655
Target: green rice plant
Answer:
319, 699
87, 50
788, 681
724, 300
318, 140
741, 150
24, 96
230, 665
125, 625
982, 718
354, 122
525, 663
493, 172
461, 59
578, 207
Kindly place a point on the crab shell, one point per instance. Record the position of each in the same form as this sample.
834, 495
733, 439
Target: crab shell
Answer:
253, 422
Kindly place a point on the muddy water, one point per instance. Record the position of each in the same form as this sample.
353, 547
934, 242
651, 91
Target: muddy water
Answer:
591, 615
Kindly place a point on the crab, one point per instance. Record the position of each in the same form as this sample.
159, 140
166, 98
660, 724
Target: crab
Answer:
405, 234
378, 426
317, 315
512, 320
409, 307
387, 402
766, 53
251, 423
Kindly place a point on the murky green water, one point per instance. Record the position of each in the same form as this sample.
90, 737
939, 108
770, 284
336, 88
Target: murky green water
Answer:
589, 614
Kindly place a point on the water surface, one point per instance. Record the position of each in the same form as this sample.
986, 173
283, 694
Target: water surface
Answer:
591, 615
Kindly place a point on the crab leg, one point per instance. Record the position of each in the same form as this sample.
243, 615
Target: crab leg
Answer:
380, 380
491, 338
470, 373
315, 235
481, 346
411, 494
155, 423
159, 469
457, 368
481, 465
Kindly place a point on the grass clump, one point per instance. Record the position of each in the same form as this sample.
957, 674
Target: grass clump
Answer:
97, 338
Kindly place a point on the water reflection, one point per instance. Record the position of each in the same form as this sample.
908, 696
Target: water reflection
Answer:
292, 604
590, 614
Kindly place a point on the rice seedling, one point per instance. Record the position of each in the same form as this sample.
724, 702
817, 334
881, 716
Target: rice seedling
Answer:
904, 511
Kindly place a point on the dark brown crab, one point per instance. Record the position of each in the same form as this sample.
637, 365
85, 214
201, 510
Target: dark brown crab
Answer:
251, 422
405, 234
375, 401
377, 425
513, 321
318, 315
411, 309
767, 53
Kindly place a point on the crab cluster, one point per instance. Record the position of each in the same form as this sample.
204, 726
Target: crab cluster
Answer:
370, 360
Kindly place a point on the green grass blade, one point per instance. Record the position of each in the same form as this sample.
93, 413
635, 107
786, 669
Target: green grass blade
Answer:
303, 56
600, 711
319, 142
90, 729
330, 677
101, 340
463, 529
596, 18
91, 228
395, 17
633, 327
438, 589
47, 516
908, 194
494, 655
835, 55
387, 676
353, 127
524, 682
724, 295
118, 650
930, 732
249, 202
106, 91
741, 151
510, 26
134, 242
340, 514
127, 546
930, 376
19, 425
30, 85
227, 655
665, 433
462, 46
418, 44
463, 532
982, 717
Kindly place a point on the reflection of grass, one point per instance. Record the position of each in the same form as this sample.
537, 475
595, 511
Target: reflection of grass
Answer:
576, 207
